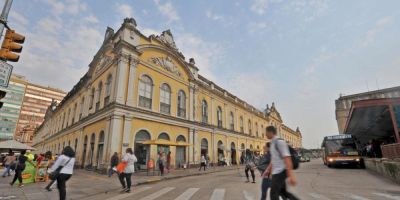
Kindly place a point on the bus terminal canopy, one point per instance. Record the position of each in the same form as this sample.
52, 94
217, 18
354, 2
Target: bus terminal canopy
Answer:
14, 145
375, 119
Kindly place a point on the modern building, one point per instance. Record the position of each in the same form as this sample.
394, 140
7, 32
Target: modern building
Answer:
36, 100
141, 93
343, 104
9, 113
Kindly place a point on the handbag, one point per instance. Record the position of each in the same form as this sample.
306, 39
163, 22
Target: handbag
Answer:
54, 174
121, 167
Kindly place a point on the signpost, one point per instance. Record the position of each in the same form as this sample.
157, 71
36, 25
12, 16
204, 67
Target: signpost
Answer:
5, 73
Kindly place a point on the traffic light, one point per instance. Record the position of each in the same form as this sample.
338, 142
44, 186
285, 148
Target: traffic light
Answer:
2, 95
11, 43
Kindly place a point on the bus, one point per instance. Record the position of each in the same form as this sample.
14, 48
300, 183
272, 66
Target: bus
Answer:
340, 150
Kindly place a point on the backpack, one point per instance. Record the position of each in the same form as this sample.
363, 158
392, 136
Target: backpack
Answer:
293, 155
263, 163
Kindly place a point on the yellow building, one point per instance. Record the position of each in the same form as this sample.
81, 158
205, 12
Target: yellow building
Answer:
140, 92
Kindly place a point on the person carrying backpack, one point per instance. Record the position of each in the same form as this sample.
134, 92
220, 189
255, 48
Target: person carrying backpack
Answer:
262, 165
281, 166
250, 166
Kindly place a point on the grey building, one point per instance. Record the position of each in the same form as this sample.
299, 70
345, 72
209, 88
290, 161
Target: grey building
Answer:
343, 104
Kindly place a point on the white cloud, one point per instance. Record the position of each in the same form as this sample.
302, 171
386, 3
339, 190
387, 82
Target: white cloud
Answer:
206, 54
255, 27
378, 27
125, 10
149, 31
309, 10
214, 16
168, 10
259, 6
58, 49
70, 6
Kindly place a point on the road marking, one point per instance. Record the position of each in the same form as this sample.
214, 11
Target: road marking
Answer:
318, 196
356, 197
387, 196
158, 193
218, 194
187, 194
248, 196
126, 195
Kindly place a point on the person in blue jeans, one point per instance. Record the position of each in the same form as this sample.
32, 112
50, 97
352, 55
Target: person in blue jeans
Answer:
262, 165
114, 163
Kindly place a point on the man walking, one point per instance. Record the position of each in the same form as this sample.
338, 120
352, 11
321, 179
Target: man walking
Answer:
280, 167
114, 162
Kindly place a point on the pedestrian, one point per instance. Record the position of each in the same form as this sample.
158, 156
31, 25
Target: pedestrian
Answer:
8, 161
280, 167
203, 162
250, 166
51, 159
19, 167
168, 161
161, 163
129, 158
114, 162
262, 165
207, 161
65, 162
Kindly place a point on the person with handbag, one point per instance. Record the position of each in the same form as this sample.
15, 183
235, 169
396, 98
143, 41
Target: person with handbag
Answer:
129, 159
62, 170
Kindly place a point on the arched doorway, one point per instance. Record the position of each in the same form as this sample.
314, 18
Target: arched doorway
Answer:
220, 153
180, 157
142, 151
163, 148
85, 141
91, 150
242, 155
100, 148
204, 147
233, 153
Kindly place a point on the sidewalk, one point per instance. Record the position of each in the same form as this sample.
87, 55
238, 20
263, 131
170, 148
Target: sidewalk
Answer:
86, 183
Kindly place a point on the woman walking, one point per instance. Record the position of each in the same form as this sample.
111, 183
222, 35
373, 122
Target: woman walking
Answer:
129, 158
161, 163
203, 162
8, 161
20, 167
66, 162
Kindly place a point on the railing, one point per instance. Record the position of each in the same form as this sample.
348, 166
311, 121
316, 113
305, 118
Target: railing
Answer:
391, 150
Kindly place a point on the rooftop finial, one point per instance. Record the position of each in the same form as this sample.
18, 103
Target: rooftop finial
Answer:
130, 21
191, 61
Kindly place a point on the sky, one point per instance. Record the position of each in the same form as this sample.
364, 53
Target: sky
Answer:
299, 54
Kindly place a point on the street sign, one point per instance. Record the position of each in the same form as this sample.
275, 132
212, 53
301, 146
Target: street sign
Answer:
5, 73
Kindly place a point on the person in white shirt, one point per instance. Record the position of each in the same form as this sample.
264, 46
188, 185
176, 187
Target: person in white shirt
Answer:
66, 160
130, 159
280, 167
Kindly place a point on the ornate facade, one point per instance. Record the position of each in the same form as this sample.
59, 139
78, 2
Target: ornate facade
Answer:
140, 92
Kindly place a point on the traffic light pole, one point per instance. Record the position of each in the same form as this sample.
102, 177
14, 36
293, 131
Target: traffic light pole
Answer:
4, 15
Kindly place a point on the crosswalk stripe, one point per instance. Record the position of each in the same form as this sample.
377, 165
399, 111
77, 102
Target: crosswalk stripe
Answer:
386, 196
318, 196
356, 197
187, 194
157, 194
248, 196
126, 195
218, 194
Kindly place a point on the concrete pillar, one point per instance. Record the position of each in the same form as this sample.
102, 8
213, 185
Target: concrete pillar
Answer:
196, 145
106, 149
172, 149
121, 78
126, 133
192, 148
132, 75
154, 154
113, 84
116, 131
191, 102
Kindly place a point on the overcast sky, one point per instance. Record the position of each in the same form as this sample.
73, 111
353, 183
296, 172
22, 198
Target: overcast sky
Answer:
299, 54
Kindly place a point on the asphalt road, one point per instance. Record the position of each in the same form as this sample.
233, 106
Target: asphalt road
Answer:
315, 181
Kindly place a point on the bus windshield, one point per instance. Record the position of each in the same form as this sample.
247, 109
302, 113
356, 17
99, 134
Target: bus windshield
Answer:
340, 146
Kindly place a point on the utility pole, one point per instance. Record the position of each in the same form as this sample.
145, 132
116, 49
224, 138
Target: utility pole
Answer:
4, 15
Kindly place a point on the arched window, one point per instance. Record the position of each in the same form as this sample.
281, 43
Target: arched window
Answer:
99, 95
91, 100
256, 128
76, 144
181, 104
165, 99
108, 90
163, 136
74, 113
241, 124
219, 117
204, 111
249, 127
262, 131
142, 136
81, 108
180, 138
100, 148
231, 121
204, 146
145, 92
63, 120
68, 116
